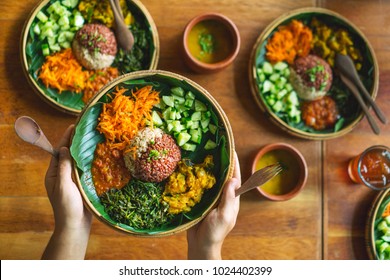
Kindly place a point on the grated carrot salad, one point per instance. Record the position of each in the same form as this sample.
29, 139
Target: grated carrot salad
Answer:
63, 72
386, 212
121, 119
288, 42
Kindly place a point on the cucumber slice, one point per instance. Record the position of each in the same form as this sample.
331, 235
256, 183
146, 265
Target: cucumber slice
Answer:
210, 145
156, 119
169, 100
200, 106
189, 147
177, 91
183, 138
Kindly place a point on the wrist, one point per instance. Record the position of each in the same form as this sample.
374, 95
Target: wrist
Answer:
211, 252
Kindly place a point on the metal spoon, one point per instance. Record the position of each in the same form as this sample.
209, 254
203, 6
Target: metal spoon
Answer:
346, 66
124, 36
29, 131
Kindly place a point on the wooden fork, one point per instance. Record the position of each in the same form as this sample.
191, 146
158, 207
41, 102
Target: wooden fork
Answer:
260, 177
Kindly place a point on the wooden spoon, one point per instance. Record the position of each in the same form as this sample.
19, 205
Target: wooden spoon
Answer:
346, 66
29, 131
124, 36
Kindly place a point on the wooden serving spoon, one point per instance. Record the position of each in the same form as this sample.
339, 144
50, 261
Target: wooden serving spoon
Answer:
124, 36
29, 131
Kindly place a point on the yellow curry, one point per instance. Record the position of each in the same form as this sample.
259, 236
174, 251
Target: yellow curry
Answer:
187, 184
210, 41
287, 179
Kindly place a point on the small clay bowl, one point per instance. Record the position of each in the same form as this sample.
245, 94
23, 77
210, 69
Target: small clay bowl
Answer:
296, 158
226, 27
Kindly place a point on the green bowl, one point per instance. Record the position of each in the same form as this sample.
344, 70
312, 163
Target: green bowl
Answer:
351, 113
86, 137
32, 57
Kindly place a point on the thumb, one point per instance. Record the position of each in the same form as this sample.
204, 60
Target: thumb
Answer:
65, 164
229, 193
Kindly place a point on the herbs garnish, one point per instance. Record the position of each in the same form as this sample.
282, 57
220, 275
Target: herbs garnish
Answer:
138, 205
207, 42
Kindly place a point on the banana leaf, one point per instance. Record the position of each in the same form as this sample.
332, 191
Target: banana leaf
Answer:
349, 109
73, 100
86, 138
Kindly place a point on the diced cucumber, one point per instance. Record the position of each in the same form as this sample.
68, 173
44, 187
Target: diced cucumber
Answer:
178, 91
205, 123
156, 119
280, 66
210, 145
42, 17
267, 85
195, 125
45, 49
188, 103
178, 99
267, 68
387, 219
200, 106
213, 128
278, 92
196, 135
196, 116
168, 100
186, 118
78, 20
183, 138
37, 29
189, 147
70, 3
274, 77
190, 95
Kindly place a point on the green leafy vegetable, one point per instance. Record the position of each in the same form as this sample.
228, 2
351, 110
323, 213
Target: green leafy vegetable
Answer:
138, 205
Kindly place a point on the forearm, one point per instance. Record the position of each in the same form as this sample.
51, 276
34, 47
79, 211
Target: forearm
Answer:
67, 244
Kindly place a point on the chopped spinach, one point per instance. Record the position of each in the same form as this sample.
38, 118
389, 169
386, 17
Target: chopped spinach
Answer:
138, 205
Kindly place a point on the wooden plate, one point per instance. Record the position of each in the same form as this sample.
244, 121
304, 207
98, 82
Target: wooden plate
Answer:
369, 72
32, 57
374, 214
86, 138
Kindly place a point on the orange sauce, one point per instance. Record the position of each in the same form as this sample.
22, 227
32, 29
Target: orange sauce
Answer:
210, 41
285, 181
108, 169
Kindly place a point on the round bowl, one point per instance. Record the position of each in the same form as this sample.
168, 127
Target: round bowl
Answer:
86, 137
350, 113
381, 201
295, 159
68, 101
221, 28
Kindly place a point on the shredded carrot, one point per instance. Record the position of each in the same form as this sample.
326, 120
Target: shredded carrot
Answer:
63, 72
386, 212
121, 119
288, 42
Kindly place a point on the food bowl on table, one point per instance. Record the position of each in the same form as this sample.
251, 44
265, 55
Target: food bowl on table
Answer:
211, 42
293, 78
288, 183
130, 138
48, 49
378, 227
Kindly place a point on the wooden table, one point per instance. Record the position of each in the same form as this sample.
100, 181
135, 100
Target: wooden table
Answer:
326, 221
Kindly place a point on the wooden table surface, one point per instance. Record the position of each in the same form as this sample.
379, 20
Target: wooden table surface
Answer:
325, 221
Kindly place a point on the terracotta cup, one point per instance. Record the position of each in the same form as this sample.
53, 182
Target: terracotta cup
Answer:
302, 169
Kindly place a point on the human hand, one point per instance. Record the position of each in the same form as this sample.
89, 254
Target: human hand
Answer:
72, 219
206, 238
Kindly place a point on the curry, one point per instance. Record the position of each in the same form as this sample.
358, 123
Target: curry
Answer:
210, 41
286, 180
185, 187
